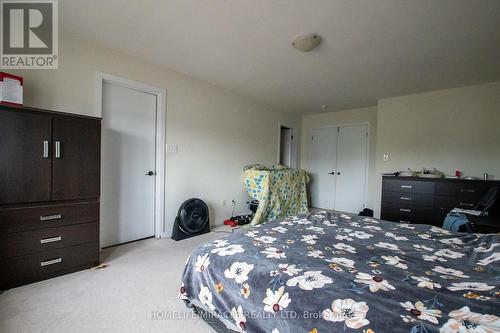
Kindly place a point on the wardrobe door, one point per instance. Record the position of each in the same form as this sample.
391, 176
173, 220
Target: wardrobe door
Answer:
24, 156
75, 158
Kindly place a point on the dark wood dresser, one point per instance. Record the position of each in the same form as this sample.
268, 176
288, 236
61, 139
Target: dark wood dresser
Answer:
425, 200
49, 194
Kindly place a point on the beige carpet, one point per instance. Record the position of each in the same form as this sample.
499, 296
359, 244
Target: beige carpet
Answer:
141, 278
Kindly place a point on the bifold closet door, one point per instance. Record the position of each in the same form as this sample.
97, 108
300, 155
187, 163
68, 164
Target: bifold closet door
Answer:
350, 187
322, 165
25, 160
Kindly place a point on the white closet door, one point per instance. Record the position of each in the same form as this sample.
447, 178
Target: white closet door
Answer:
351, 168
128, 155
322, 162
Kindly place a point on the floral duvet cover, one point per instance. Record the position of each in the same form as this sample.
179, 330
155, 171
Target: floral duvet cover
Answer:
332, 272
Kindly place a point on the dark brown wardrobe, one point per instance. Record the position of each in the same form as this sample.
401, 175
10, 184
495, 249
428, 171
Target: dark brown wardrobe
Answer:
49, 194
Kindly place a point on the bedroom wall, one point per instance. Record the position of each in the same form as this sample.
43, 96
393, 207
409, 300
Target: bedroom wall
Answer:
217, 131
453, 129
345, 117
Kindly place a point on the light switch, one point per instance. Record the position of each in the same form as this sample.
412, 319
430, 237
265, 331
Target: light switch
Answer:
172, 148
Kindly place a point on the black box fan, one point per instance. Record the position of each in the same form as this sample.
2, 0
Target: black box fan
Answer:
192, 220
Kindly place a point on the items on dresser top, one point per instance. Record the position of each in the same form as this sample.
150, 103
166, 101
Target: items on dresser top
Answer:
49, 194
428, 201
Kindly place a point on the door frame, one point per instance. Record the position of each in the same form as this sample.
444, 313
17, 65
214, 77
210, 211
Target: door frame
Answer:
367, 173
160, 144
293, 158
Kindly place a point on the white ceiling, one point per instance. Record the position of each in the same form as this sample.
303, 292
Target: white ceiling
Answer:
371, 48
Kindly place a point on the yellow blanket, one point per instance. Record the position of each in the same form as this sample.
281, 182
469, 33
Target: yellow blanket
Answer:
281, 192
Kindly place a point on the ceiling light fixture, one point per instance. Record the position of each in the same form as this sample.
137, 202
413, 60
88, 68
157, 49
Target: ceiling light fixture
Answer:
305, 43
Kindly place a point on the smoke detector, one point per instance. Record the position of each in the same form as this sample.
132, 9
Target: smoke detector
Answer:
305, 43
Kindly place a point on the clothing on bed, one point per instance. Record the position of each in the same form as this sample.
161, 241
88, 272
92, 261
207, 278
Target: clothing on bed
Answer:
340, 273
281, 192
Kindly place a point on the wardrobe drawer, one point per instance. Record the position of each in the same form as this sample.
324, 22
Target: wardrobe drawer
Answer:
408, 186
464, 189
38, 266
406, 211
408, 198
22, 243
41, 217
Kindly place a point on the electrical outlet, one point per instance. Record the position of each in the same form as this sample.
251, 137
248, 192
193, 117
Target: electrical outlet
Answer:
386, 157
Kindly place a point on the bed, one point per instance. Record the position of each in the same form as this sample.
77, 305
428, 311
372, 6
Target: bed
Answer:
333, 272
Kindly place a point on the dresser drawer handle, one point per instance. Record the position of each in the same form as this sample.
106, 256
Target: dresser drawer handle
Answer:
50, 240
50, 217
404, 221
51, 262
406, 198
466, 204
406, 186
405, 210
468, 190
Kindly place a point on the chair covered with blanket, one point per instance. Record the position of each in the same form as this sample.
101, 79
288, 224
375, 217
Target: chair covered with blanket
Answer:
281, 192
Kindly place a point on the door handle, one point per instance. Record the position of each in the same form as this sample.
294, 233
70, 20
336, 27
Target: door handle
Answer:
338, 173
58, 149
45, 149
151, 173
332, 173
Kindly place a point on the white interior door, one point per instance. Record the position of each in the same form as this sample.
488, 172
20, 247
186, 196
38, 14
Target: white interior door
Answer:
322, 162
286, 146
350, 188
128, 154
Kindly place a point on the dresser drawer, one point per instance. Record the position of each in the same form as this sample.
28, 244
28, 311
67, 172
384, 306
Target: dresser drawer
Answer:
396, 217
41, 217
466, 189
448, 202
408, 186
22, 243
42, 265
407, 211
408, 198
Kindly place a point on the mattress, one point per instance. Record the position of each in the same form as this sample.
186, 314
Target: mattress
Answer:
333, 272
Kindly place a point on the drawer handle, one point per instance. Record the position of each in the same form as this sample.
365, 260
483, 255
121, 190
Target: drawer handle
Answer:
50, 217
468, 190
406, 186
403, 221
406, 198
51, 262
50, 240
405, 210
466, 204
